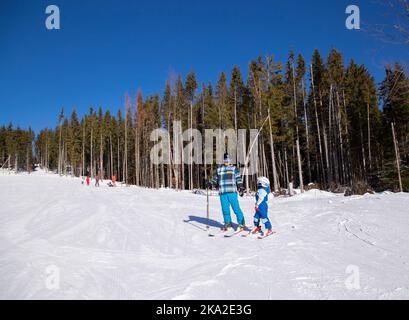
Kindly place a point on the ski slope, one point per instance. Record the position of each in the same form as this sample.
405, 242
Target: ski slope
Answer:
136, 243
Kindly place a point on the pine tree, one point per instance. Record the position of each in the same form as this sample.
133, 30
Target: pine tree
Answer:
190, 88
74, 143
330, 131
395, 101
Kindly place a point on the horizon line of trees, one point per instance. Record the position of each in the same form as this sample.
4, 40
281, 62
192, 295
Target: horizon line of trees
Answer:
319, 123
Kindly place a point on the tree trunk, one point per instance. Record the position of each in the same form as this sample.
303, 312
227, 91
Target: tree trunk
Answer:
339, 120
318, 128
101, 158
126, 151
169, 165
306, 131
119, 161
27, 161
190, 149
16, 163
395, 142
286, 168
136, 157
348, 165
369, 141
83, 151
111, 173
92, 156
59, 150
299, 167
273, 161
362, 148
298, 138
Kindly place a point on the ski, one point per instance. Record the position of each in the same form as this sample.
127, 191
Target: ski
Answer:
265, 236
229, 235
250, 234
218, 233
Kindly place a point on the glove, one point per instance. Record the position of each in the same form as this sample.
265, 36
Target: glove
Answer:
241, 191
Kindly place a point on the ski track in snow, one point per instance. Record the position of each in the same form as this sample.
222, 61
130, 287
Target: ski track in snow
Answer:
136, 243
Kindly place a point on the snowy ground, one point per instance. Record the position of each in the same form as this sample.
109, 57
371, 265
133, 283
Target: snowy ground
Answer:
135, 243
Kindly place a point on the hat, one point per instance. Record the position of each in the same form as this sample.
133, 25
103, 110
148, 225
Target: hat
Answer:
226, 158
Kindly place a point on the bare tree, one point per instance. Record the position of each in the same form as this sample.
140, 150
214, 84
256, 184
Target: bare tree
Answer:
395, 28
397, 157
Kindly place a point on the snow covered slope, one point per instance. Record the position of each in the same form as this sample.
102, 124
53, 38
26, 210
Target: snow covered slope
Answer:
135, 243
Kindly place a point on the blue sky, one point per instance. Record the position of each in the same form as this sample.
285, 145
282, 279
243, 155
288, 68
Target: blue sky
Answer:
106, 48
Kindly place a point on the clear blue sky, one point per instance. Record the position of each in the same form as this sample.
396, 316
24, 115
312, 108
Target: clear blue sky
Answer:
106, 48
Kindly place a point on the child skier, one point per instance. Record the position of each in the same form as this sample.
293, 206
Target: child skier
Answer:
87, 181
261, 207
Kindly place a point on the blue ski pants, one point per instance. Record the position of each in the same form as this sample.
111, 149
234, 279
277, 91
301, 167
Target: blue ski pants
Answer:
231, 199
262, 214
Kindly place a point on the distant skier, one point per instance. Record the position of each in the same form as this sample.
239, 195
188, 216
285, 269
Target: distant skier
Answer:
97, 181
227, 178
113, 180
87, 180
261, 207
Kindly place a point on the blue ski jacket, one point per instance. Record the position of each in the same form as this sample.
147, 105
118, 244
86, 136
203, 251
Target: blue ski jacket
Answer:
262, 198
227, 178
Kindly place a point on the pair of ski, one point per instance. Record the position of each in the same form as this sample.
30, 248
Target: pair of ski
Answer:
259, 235
243, 232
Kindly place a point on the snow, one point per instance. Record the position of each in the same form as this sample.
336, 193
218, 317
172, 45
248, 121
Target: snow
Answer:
136, 243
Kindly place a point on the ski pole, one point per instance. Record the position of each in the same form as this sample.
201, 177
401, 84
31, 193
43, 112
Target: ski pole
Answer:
207, 207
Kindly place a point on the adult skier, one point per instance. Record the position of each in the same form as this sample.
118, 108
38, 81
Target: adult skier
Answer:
261, 207
228, 180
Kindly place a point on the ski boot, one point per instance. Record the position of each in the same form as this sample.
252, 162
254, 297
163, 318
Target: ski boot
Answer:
256, 230
227, 227
241, 227
268, 232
